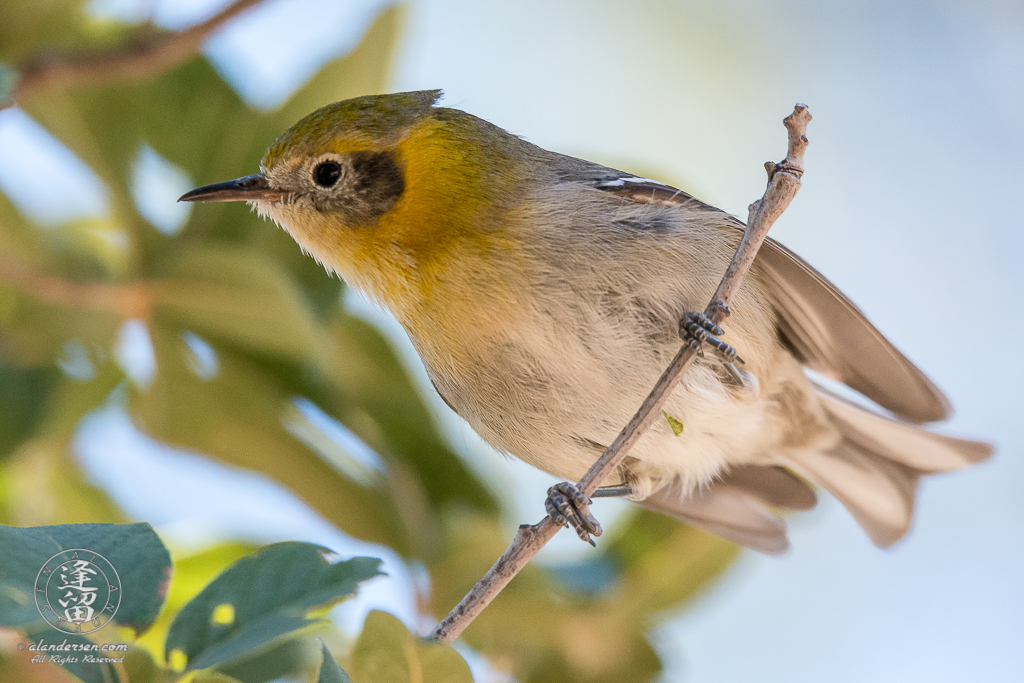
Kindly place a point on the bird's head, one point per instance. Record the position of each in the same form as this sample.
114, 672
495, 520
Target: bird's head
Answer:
380, 189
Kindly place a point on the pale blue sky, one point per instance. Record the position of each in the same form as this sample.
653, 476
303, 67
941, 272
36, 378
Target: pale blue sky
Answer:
910, 205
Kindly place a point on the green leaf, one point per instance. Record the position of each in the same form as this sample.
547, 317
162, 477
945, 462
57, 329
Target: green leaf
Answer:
236, 417
258, 599
84, 121
72, 399
39, 332
42, 484
665, 562
378, 401
194, 119
674, 423
210, 677
240, 297
330, 672
387, 653
320, 289
20, 240
188, 115
28, 26
8, 77
292, 657
23, 395
191, 575
136, 553
139, 666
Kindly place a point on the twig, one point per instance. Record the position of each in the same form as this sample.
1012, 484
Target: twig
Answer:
139, 59
783, 183
132, 300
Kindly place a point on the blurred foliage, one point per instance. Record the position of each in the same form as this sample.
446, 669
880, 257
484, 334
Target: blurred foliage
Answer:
387, 653
330, 672
279, 336
252, 623
269, 594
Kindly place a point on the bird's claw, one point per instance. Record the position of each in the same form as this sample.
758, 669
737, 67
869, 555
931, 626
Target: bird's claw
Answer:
696, 329
568, 506
748, 381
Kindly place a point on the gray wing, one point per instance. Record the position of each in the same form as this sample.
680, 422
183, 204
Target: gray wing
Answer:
824, 329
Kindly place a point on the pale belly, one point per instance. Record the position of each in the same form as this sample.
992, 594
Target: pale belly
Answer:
554, 395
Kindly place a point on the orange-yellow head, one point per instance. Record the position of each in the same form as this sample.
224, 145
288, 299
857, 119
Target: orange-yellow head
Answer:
386, 190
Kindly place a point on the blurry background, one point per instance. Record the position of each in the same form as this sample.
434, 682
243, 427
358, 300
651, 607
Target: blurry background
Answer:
186, 366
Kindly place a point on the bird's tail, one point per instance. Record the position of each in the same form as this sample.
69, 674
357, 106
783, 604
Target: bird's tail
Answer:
875, 468
873, 471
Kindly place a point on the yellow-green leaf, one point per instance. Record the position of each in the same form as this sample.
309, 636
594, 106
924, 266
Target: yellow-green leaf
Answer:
387, 653
674, 423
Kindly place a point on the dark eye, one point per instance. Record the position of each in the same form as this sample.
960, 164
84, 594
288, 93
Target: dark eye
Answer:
326, 173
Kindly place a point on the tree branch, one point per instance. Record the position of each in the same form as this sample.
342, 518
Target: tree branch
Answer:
783, 183
141, 58
132, 300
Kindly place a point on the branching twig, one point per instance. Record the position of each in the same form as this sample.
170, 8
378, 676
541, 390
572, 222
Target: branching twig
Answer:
139, 59
783, 183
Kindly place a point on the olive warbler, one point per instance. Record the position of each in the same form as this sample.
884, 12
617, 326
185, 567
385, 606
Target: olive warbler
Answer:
545, 294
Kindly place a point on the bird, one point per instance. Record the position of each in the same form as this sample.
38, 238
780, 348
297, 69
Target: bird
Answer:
545, 295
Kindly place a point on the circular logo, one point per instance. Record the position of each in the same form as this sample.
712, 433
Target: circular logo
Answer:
77, 591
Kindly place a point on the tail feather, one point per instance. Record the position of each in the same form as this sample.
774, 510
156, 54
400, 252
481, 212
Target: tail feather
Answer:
724, 510
901, 441
874, 470
774, 486
878, 492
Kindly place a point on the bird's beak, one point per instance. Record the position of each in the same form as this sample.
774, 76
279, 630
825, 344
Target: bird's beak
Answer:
250, 188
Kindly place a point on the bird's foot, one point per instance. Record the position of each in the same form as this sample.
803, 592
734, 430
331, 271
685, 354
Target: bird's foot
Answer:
566, 505
613, 491
696, 329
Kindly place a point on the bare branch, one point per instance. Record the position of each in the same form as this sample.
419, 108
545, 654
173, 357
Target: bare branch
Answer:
783, 183
142, 58
131, 300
